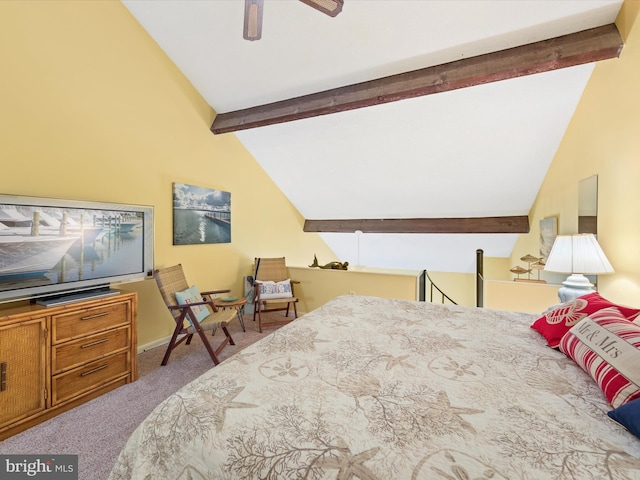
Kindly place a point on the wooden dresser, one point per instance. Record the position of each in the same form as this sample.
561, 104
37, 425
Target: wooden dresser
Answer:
53, 359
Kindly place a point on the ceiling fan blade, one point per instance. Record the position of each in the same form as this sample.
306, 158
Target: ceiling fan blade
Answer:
252, 19
330, 7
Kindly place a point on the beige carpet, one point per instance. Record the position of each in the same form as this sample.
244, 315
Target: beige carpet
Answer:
96, 431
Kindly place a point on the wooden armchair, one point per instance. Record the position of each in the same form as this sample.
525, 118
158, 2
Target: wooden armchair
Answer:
195, 314
273, 290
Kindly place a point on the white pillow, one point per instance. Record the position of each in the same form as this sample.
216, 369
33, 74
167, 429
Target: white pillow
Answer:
273, 290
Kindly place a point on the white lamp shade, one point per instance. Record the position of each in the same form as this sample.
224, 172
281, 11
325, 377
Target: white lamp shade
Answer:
577, 254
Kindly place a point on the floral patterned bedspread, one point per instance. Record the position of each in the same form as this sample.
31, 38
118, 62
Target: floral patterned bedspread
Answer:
372, 388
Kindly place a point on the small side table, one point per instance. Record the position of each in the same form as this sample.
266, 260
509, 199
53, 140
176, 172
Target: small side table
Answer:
237, 304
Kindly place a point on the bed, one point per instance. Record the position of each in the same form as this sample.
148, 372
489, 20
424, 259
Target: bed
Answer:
372, 388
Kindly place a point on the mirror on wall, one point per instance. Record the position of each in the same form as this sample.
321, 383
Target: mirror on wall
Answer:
588, 205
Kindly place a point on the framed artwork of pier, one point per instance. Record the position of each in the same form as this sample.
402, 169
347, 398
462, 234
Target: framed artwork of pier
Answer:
200, 215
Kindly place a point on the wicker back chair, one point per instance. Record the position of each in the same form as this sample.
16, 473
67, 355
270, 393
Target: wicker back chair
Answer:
171, 280
269, 297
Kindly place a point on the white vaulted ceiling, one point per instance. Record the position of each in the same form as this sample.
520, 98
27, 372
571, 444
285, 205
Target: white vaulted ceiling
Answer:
475, 152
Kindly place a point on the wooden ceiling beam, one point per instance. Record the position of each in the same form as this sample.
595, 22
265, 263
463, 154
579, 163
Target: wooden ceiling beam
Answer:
566, 51
512, 224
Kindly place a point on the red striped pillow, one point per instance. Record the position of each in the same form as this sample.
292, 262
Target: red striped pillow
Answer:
607, 346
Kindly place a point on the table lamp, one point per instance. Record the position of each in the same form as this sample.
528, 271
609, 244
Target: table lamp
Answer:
578, 255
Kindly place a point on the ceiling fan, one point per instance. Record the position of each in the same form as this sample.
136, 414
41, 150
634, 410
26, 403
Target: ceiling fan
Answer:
253, 14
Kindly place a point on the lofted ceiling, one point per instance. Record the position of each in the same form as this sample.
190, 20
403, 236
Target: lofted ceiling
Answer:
481, 151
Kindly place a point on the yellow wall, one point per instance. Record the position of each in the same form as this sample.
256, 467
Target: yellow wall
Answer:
519, 296
497, 268
317, 286
91, 108
602, 139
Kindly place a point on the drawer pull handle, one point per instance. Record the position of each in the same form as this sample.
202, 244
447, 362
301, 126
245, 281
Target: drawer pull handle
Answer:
101, 367
89, 317
3, 376
97, 342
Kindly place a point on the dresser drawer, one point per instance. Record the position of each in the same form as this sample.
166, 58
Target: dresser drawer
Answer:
80, 380
85, 322
71, 354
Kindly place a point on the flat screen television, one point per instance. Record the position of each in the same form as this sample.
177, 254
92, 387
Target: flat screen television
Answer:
56, 250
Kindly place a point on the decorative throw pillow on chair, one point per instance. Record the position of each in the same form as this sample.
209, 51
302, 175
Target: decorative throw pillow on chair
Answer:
273, 290
192, 295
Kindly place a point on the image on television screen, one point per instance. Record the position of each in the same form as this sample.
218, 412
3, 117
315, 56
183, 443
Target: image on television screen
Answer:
44, 245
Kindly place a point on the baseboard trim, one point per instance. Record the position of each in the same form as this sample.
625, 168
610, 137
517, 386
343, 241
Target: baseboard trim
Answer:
167, 339
154, 344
